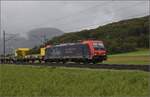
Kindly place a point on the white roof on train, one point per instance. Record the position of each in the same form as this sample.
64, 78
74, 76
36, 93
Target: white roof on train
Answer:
64, 44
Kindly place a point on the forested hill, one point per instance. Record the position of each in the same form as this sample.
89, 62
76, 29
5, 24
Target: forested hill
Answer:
122, 36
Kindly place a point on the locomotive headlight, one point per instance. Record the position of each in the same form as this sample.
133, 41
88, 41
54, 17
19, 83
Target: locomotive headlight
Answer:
96, 53
104, 54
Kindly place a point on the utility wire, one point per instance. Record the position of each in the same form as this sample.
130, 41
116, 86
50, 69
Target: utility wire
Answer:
77, 13
115, 10
68, 16
74, 14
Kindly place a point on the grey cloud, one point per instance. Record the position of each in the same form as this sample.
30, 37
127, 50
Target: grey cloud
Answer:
68, 16
21, 16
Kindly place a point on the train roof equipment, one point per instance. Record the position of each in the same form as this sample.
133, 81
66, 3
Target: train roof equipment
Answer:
21, 52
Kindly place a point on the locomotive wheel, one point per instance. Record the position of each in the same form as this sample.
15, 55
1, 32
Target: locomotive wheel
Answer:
94, 62
64, 62
85, 62
78, 62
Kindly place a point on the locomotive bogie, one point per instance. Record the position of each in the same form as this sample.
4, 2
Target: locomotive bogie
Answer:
89, 51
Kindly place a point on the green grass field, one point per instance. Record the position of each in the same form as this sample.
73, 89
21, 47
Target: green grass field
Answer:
137, 57
43, 81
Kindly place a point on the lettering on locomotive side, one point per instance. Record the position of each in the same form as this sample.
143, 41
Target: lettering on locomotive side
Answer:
84, 51
69, 50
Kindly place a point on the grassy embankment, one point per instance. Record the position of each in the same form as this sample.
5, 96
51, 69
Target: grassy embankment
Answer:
50, 81
137, 57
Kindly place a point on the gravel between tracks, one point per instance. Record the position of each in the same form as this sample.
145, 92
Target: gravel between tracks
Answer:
96, 66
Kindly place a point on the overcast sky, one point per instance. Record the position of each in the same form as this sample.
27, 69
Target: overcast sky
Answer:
68, 16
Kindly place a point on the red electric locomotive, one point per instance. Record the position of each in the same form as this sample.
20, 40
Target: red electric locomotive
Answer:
89, 51
97, 50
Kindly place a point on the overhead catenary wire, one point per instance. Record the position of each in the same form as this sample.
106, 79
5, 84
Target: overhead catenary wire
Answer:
54, 21
65, 18
140, 14
73, 15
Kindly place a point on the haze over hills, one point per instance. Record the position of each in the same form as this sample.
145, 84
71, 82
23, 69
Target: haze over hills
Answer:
121, 36
34, 37
40, 35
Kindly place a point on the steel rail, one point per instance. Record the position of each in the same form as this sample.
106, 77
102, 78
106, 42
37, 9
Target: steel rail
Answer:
95, 66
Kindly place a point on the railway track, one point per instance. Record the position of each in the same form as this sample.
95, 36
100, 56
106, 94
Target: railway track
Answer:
95, 66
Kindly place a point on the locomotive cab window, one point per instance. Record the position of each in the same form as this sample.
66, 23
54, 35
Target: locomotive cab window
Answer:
98, 46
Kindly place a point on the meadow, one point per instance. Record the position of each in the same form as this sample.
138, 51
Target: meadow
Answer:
20, 80
139, 57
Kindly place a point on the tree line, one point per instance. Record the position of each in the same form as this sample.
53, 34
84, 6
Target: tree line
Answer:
118, 37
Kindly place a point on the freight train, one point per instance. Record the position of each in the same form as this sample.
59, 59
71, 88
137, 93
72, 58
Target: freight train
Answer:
88, 51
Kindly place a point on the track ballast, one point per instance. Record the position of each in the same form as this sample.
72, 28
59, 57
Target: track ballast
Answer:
95, 66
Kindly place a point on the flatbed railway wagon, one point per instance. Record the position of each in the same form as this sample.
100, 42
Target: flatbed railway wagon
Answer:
90, 51
31, 58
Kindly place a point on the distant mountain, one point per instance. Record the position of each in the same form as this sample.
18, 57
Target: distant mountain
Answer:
34, 37
12, 44
40, 35
121, 36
